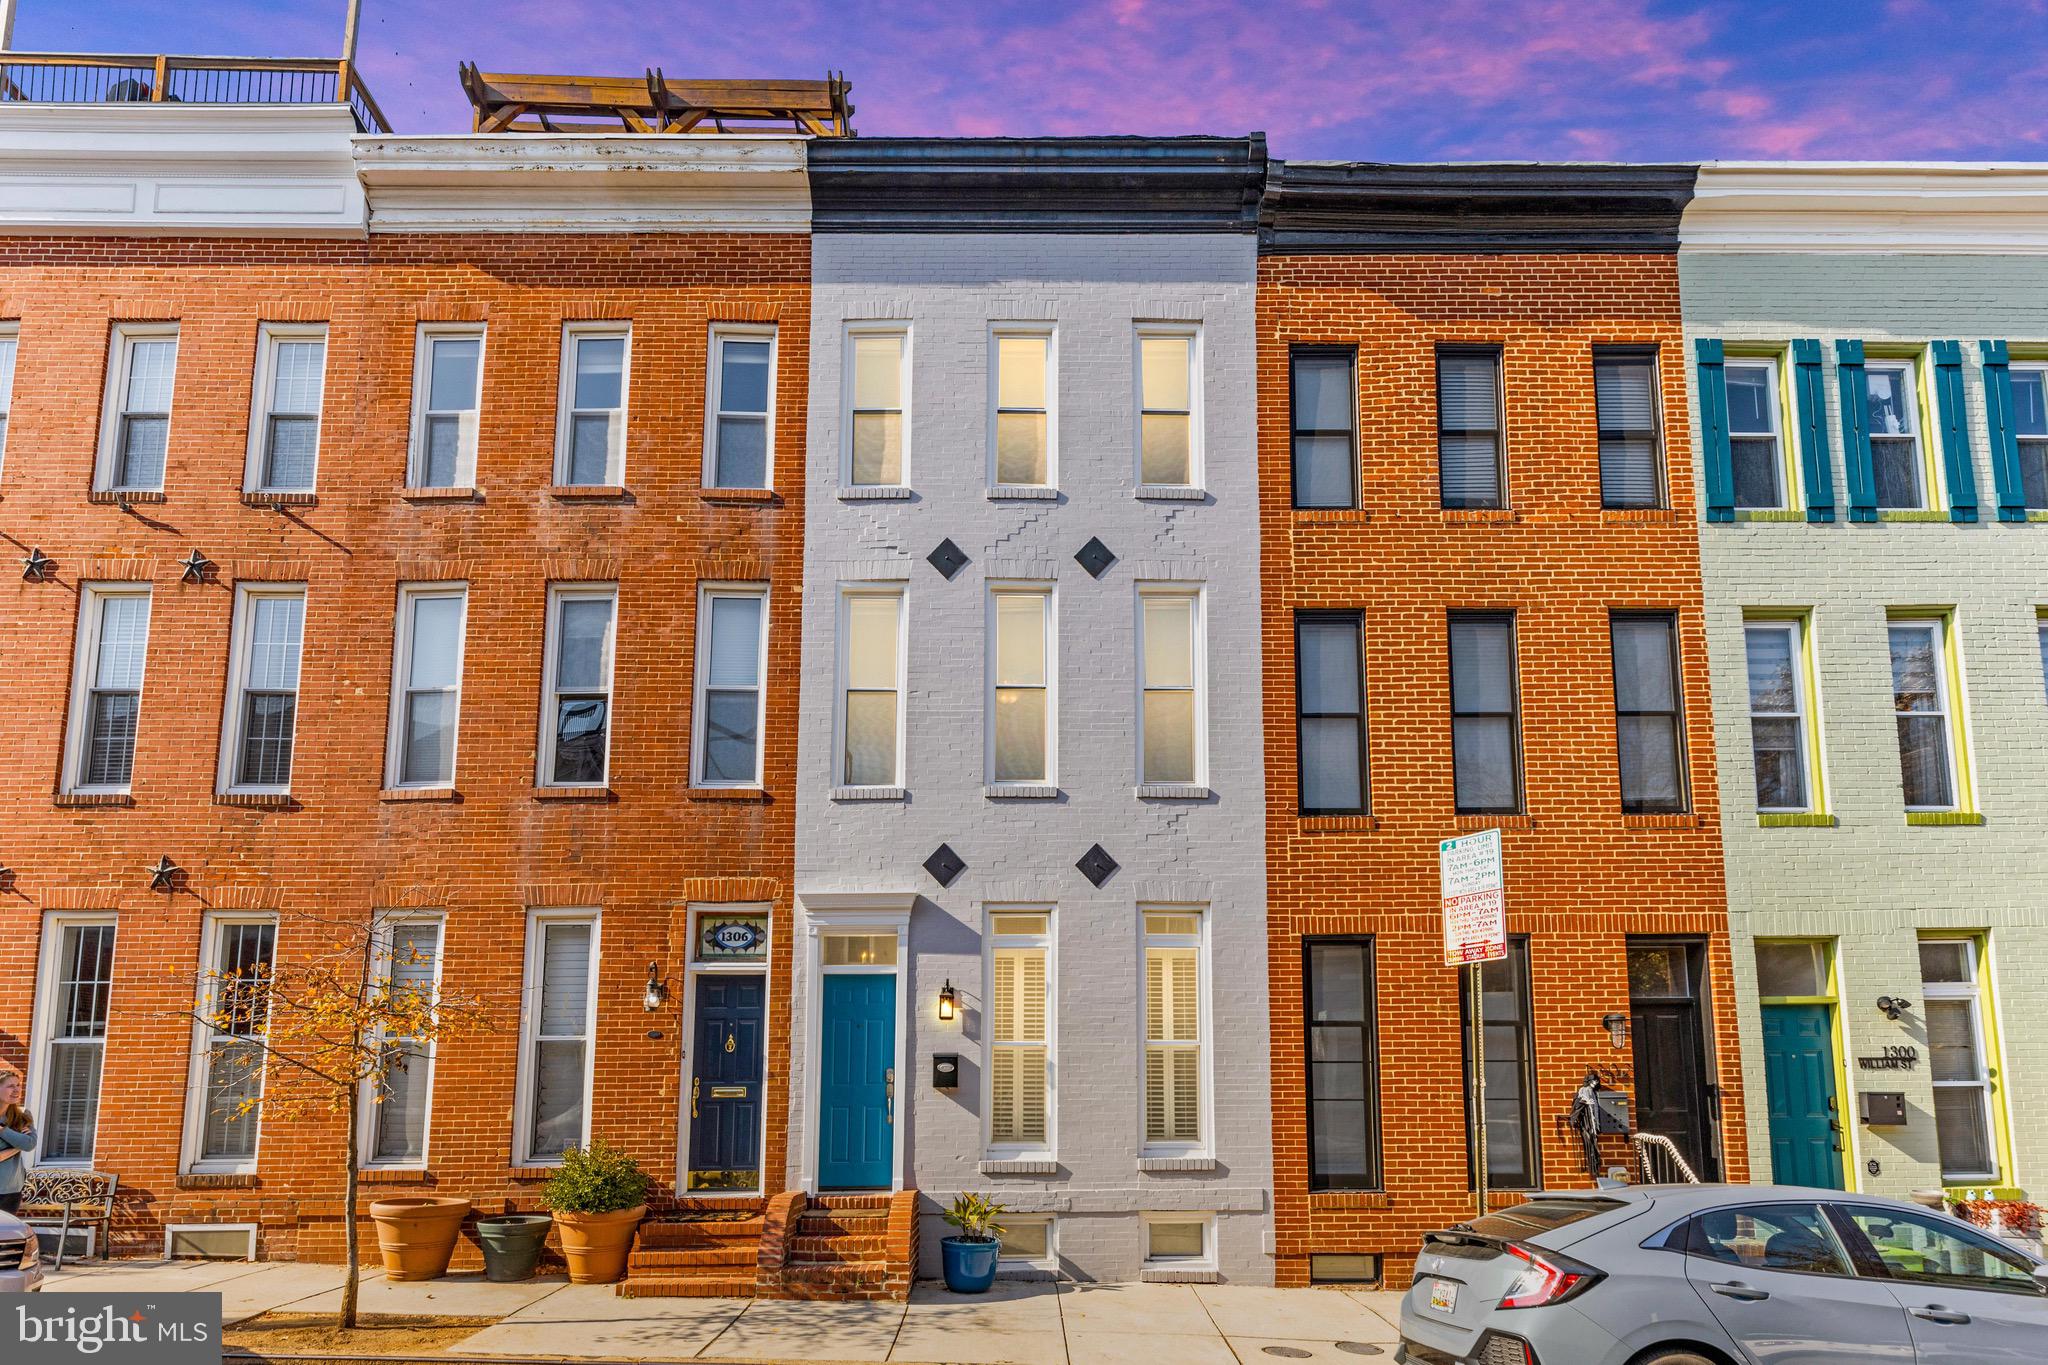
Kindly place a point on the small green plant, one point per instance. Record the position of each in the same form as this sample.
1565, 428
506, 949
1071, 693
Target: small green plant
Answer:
595, 1179
975, 1216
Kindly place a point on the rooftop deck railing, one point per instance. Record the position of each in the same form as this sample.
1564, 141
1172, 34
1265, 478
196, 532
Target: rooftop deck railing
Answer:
71, 78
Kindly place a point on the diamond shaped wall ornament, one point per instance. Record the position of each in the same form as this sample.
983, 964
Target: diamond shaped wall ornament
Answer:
944, 865
1096, 865
164, 876
38, 567
947, 558
1095, 557
196, 566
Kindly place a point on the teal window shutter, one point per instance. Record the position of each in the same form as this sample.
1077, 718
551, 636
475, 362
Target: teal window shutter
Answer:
1720, 469
1810, 401
1855, 394
1954, 421
2005, 441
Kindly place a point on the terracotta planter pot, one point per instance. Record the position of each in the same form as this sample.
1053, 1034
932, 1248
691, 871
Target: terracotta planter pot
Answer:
416, 1234
596, 1244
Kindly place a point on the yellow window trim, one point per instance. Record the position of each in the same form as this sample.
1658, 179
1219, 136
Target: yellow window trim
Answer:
1994, 1056
1958, 712
1818, 813
1780, 354
1923, 397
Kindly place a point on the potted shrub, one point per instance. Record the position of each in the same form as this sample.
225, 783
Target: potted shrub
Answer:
416, 1234
970, 1255
2017, 1221
512, 1243
598, 1198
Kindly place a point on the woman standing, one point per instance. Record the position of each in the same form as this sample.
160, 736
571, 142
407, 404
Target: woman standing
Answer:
17, 1141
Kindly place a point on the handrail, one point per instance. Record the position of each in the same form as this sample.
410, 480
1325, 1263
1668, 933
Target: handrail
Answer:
155, 78
1646, 1143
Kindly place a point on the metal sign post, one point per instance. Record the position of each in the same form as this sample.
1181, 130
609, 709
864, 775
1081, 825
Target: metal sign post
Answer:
1475, 933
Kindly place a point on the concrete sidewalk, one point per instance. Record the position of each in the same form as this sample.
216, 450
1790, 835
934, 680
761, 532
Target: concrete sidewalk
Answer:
1025, 1323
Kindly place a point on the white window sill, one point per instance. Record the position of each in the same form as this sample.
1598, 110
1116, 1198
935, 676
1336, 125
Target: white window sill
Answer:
1020, 791
1022, 492
1179, 1275
1173, 791
1018, 1166
870, 793
1171, 492
874, 492
1192, 1162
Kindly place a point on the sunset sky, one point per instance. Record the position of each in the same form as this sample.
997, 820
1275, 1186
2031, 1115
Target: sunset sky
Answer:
1351, 79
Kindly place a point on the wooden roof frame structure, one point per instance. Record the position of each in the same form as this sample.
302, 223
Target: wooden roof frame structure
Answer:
506, 102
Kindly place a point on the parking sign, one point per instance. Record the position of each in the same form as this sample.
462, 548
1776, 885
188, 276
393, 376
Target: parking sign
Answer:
1475, 907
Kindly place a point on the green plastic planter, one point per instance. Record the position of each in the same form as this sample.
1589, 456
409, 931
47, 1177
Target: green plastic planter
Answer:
512, 1244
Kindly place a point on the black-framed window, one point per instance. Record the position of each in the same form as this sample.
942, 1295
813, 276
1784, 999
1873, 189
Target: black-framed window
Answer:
1513, 1155
1631, 436
1322, 400
1329, 693
1486, 722
1649, 718
1343, 1064
1468, 427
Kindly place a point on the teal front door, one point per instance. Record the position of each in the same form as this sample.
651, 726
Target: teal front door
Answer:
1799, 1081
857, 1082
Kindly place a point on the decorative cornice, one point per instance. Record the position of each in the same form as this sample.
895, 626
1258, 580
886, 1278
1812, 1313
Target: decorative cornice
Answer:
1960, 207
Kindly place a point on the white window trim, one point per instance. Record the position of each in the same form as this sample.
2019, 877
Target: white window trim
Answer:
1048, 333
1198, 594
1048, 942
842, 660
573, 334
1205, 1041
557, 594
855, 330
707, 593
422, 391
1051, 1259
1047, 593
190, 1161
1804, 712
722, 332
409, 596
10, 331
693, 971
268, 336
1952, 729
1789, 492
1971, 991
1926, 472
84, 665
1192, 332
1207, 1260
239, 645
366, 1134
114, 403
529, 1023
43, 1024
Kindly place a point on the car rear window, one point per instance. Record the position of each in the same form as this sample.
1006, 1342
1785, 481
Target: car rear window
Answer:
1539, 1215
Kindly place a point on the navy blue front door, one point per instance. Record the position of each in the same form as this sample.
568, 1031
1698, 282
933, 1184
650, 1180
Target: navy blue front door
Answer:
725, 1083
856, 1103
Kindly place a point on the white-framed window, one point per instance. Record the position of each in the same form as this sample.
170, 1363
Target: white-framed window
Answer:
1898, 465
1958, 1055
1925, 713
740, 407
1176, 1020
871, 686
258, 732
135, 425
1755, 437
1022, 700
1169, 405
1179, 1241
1029, 1241
106, 697
575, 729
75, 982
1021, 1070
1780, 715
1172, 722
284, 419
224, 1113
877, 417
10, 343
590, 421
1023, 429
557, 1048
426, 684
395, 1113
447, 393
2029, 420
732, 661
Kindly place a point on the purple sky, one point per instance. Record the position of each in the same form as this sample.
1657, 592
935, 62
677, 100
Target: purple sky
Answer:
1364, 79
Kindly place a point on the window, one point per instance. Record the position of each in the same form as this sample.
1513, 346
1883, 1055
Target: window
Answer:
1511, 1147
1324, 408
590, 436
77, 984
1179, 1241
135, 432
113, 636
1897, 466
426, 685
1024, 427
1343, 1065
1169, 381
1174, 1027
1486, 743
447, 388
575, 747
742, 407
732, 656
1171, 722
263, 690
2030, 425
236, 963
284, 432
1020, 1052
1649, 722
10, 341
1957, 1057
1753, 433
1799, 969
860, 950
1920, 1247
877, 405
395, 1115
1468, 427
1793, 1237
871, 688
1631, 443
556, 1056
1329, 688
1027, 1240
1920, 698
1778, 725
1020, 686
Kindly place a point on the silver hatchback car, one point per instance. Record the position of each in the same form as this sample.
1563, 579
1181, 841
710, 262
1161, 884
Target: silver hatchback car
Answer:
1721, 1275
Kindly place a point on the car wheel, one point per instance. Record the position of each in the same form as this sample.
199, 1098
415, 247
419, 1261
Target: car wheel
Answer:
1675, 1355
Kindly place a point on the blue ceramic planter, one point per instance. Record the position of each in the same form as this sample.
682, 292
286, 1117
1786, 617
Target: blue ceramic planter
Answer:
970, 1266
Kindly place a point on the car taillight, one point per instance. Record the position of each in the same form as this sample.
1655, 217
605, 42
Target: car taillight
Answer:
1544, 1280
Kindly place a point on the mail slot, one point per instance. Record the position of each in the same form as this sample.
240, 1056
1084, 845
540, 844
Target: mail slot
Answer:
728, 1092
945, 1071
1883, 1108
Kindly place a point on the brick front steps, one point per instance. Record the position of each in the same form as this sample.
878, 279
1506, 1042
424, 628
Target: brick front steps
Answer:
834, 1247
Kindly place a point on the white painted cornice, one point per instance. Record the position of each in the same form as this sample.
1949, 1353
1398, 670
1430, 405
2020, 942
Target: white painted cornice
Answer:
1944, 207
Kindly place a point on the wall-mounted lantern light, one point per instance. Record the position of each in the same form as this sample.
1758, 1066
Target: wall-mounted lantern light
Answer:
1891, 1006
1617, 1028
948, 1001
656, 994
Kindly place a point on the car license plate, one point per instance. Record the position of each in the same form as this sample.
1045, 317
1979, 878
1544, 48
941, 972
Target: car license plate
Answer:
1443, 1296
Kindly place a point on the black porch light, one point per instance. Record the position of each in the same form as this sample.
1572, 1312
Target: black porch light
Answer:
948, 1001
